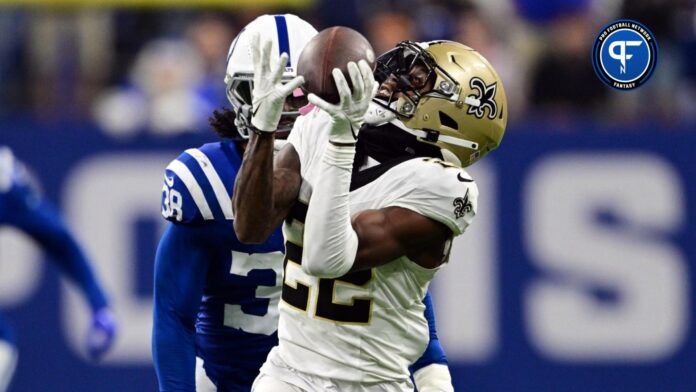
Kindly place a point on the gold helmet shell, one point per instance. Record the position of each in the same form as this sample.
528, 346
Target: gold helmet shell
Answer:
466, 110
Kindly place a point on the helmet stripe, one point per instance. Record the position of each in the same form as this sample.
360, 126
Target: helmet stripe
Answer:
283, 38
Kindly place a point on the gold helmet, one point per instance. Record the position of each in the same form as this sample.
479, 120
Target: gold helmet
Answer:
465, 112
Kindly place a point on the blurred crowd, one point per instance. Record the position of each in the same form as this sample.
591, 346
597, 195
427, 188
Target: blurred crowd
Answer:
133, 70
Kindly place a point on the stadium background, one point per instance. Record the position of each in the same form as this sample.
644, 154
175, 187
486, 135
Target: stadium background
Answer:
576, 277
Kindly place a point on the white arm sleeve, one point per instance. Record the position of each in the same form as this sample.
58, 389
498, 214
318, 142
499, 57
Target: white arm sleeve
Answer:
330, 243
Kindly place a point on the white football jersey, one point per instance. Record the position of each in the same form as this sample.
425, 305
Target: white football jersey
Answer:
367, 326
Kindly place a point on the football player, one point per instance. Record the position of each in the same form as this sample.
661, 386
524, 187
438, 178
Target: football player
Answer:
22, 207
370, 210
215, 297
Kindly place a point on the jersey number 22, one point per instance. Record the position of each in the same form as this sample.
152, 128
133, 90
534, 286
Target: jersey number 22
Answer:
357, 310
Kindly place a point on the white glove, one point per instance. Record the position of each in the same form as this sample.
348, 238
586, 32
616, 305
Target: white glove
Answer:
433, 378
6, 168
349, 114
269, 92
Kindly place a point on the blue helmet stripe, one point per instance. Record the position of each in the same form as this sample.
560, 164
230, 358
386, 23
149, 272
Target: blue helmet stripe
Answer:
283, 38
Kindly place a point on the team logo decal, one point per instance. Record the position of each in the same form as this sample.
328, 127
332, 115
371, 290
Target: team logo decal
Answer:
484, 97
462, 205
624, 54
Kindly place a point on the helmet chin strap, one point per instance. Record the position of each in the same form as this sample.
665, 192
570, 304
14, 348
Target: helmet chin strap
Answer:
435, 136
378, 115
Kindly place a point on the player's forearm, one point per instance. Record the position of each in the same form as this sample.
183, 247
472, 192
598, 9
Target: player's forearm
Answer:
173, 352
334, 244
46, 227
180, 270
430, 371
173, 349
253, 191
434, 353
75, 265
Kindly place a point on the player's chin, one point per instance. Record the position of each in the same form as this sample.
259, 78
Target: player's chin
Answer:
386, 94
383, 93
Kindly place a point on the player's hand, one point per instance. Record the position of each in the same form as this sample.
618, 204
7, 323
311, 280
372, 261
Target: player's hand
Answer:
433, 378
6, 169
100, 336
349, 114
269, 91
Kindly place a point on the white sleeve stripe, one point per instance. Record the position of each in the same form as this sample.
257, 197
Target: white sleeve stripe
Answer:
194, 189
218, 187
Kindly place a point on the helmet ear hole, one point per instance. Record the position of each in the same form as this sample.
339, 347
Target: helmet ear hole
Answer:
447, 121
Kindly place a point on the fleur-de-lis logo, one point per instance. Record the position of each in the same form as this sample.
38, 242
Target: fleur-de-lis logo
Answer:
485, 96
462, 205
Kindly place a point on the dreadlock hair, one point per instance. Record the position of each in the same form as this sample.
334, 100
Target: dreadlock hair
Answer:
222, 122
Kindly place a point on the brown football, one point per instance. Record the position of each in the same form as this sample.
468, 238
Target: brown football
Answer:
333, 47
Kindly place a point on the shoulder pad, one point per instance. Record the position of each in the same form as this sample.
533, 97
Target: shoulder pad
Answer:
198, 184
442, 192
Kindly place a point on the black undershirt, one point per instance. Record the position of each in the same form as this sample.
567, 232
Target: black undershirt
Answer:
389, 145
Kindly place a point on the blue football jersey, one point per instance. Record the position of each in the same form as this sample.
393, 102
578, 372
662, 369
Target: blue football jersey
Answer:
236, 316
23, 207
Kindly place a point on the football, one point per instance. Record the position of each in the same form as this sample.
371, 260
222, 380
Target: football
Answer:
333, 47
